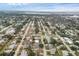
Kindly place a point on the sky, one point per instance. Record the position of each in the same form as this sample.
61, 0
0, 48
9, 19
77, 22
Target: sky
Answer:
39, 6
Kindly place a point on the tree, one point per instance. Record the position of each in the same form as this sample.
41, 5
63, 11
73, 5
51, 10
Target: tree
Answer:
41, 45
77, 53
30, 51
36, 30
45, 41
48, 53
43, 33
76, 43
58, 52
73, 48
53, 41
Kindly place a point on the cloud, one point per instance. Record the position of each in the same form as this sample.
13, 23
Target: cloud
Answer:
17, 3
40, 6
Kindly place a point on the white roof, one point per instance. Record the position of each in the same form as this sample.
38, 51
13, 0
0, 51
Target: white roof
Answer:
7, 51
12, 46
13, 42
65, 53
77, 41
10, 31
37, 41
68, 40
24, 53
1, 41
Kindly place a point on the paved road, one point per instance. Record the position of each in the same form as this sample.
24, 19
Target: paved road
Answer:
20, 45
6, 28
69, 49
42, 37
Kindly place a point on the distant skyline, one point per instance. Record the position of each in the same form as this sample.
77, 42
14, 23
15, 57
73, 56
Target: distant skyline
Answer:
39, 6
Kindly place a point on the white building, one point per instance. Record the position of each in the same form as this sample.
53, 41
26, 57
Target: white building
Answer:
68, 40
24, 53
10, 31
